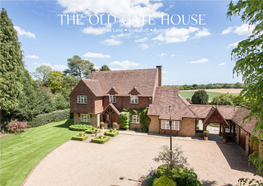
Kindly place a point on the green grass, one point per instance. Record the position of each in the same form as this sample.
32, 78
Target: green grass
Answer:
189, 94
21, 152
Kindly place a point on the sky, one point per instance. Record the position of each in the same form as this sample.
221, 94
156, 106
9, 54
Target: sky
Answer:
192, 40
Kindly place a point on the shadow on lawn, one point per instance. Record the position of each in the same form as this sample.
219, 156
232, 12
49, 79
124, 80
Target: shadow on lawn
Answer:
236, 158
66, 124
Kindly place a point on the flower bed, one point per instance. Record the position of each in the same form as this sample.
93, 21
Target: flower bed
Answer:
90, 131
100, 140
112, 134
80, 127
80, 138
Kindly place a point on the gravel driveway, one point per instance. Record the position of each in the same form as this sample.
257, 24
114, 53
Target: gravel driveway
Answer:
130, 157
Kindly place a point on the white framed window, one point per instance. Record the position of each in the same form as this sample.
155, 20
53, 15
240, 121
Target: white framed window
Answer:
85, 118
82, 100
135, 119
134, 100
165, 125
112, 99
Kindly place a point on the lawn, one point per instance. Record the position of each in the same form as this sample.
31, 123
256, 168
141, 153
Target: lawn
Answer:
189, 94
21, 152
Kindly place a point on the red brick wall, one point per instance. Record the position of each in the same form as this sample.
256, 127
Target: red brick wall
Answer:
82, 89
98, 105
125, 102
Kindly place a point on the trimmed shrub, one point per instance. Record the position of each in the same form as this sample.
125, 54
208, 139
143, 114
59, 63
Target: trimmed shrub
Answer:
55, 116
151, 177
164, 180
80, 127
80, 138
112, 134
100, 140
125, 120
16, 126
92, 131
182, 176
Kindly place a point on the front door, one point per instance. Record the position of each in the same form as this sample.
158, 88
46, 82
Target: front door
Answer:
113, 118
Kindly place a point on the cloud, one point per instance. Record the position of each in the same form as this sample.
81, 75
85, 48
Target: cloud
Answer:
32, 56
234, 45
112, 42
144, 46
96, 55
174, 35
122, 35
228, 30
115, 7
124, 64
176, 55
22, 32
244, 29
221, 64
141, 40
162, 54
54, 67
35, 63
202, 33
164, 72
95, 31
199, 61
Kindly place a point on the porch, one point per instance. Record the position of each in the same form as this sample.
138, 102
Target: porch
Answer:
110, 115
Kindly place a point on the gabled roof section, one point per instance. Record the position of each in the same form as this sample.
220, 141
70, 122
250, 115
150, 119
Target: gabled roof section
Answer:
169, 96
112, 91
110, 109
124, 81
134, 91
214, 116
240, 114
94, 86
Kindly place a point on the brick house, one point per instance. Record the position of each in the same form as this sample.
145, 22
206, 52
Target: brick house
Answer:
105, 94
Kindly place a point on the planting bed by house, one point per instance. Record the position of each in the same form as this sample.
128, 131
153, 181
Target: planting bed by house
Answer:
80, 138
100, 140
80, 127
90, 131
111, 133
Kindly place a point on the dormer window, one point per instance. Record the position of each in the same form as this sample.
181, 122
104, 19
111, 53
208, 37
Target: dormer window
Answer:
134, 100
112, 99
82, 100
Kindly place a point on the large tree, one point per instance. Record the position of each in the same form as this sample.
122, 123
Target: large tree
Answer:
42, 73
54, 81
200, 97
105, 68
249, 63
11, 65
79, 67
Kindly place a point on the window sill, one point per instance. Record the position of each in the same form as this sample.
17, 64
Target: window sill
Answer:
134, 103
172, 130
82, 103
135, 123
85, 122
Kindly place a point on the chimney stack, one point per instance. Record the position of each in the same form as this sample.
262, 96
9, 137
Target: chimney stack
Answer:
160, 71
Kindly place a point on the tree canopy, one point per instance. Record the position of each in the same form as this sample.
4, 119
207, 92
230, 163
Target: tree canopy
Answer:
200, 97
42, 72
11, 65
79, 67
249, 62
105, 68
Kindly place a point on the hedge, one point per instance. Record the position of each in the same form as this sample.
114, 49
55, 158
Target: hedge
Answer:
90, 131
164, 180
44, 119
125, 120
99, 140
112, 134
78, 137
80, 127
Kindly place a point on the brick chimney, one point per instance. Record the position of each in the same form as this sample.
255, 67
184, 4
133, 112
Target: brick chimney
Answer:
160, 71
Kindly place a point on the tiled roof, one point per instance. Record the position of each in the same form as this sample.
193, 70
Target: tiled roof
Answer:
215, 111
115, 110
94, 86
112, 91
201, 111
169, 96
124, 81
134, 91
240, 114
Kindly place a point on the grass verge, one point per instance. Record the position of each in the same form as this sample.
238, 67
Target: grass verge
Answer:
21, 152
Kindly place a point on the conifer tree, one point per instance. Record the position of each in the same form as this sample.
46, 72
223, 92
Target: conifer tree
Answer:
11, 65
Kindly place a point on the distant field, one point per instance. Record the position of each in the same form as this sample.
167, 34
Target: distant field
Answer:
189, 94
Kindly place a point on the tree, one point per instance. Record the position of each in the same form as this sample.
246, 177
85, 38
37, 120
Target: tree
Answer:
200, 97
223, 99
238, 85
54, 81
11, 65
248, 57
202, 86
195, 86
105, 68
79, 67
42, 73
226, 85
